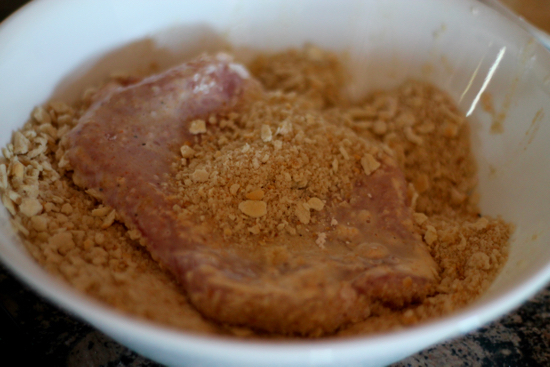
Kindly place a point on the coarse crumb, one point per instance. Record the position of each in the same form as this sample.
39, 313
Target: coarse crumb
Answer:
275, 187
264, 173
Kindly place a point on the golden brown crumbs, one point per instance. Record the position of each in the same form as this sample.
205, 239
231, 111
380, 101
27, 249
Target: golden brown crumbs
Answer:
311, 72
77, 239
246, 184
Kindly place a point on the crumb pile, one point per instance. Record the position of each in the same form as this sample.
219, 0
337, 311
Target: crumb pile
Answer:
271, 167
304, 135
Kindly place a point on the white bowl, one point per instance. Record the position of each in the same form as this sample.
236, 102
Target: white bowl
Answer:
55, 48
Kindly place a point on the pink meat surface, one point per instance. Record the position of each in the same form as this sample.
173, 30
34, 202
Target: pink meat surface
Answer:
123, 149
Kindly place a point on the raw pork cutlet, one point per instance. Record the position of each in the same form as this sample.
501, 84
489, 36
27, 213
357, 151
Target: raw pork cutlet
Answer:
122, 151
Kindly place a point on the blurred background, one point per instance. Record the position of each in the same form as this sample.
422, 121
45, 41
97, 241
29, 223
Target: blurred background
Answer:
9, 6
535, 11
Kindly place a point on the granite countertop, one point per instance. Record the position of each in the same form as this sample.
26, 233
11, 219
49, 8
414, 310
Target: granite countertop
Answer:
35, 332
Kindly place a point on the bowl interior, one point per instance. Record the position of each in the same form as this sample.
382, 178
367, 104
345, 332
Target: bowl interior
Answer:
52, 50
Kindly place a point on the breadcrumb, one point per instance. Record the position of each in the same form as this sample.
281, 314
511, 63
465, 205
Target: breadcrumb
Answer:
306, 136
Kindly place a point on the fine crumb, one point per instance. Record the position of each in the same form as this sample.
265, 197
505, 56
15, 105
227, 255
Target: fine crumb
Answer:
321, 239
369, 163
316, 204
187, 152
197, 127
266, 134
258, 174
30, 207
254, 209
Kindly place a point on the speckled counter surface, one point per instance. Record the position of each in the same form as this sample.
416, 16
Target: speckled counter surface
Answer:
34, 332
